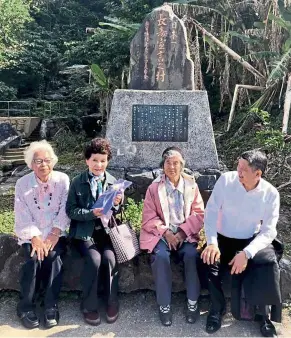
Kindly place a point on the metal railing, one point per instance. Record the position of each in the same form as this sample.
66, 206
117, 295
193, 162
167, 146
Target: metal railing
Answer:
36, 108
11, 108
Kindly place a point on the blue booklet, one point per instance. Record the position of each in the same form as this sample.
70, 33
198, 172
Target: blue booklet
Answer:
106, 199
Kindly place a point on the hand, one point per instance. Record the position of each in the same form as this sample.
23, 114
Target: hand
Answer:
181, 236
118, 199
239, 263
38, 247
97, 212
210, 254
171, 240
51, 241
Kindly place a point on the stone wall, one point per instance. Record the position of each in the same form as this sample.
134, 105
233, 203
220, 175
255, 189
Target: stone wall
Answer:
134, 275
8, 137
23, 125
141, 179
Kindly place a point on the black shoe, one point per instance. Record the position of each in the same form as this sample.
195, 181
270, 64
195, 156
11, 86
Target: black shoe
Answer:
213, 322
29, 319
192, 313
267, 328
51, 317
165, 314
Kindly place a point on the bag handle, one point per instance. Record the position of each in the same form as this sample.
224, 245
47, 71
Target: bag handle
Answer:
122, 214
122, 217
113, 221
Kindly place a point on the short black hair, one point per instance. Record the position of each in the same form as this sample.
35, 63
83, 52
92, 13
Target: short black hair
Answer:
98, 146
256, 159
166, 152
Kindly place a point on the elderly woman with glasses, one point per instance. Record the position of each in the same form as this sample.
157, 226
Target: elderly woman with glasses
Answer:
40, 223
172, 218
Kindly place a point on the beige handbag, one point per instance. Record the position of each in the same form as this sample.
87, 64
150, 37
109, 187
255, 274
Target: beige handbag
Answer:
124, 240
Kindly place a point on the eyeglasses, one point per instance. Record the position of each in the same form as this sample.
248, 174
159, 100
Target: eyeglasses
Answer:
40, 161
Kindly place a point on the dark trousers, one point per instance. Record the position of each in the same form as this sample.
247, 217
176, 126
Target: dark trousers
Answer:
35, 273
228, 248
99, 259
161, 267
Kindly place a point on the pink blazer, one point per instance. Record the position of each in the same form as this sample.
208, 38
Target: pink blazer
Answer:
155, 218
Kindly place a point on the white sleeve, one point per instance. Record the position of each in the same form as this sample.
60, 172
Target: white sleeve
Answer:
213, 206
268, 230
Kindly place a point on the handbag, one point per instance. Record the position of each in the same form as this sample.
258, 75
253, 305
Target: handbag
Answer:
124, 240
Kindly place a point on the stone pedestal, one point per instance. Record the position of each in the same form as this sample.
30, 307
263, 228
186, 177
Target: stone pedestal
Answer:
199, 146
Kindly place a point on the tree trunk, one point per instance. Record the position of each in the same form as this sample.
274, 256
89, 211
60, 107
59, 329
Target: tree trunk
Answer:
287, 104
231, 52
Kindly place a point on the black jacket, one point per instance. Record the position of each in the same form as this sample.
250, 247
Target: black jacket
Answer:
78, 207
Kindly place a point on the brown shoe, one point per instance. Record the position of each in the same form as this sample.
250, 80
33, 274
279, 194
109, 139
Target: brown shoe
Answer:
112, 313
92, 318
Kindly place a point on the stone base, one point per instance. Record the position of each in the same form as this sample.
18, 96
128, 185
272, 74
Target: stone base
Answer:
134, 275
200, 150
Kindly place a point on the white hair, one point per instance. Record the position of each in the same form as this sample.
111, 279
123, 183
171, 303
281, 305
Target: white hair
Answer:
37, 146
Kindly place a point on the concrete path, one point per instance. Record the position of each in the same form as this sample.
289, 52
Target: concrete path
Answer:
138, 318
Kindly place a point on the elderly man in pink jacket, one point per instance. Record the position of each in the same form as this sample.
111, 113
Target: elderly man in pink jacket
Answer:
172, 218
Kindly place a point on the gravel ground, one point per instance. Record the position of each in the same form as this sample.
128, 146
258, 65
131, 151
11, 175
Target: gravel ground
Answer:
138, 318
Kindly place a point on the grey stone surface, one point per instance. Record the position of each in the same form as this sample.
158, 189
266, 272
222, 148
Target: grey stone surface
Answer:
285, 266
134, 275
200, 150
8, 137
6, 131
160, 57
141, 179
49, 127
138, 318
116, 172
206, 182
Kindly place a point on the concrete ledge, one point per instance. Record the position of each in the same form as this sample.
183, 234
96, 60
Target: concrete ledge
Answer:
134, 275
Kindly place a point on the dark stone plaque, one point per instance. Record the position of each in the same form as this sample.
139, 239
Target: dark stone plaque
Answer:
163, 123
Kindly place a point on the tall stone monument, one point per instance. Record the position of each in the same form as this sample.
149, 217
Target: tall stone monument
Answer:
161, 108
159, 54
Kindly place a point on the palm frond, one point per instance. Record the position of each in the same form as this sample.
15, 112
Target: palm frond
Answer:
113, 25
120, 25
185, 7
261, 55
280, 68
244, 38
280, 22
266, 98
99, 75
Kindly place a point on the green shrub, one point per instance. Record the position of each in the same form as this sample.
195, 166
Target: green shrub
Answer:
133, 213
6, 92
6, 214
6, 222
66, 141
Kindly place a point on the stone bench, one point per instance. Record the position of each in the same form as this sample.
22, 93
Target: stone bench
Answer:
134, 275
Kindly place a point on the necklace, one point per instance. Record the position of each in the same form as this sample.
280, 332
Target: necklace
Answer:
49, 202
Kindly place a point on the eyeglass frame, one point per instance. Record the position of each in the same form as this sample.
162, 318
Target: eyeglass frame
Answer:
39, 161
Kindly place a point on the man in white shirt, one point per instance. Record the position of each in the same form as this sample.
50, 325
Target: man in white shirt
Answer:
240, 220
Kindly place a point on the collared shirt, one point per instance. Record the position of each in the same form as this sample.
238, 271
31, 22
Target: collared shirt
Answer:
40, 206
236, 213
96, 184
175, 196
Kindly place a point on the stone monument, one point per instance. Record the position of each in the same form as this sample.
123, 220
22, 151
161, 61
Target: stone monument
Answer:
161, 108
